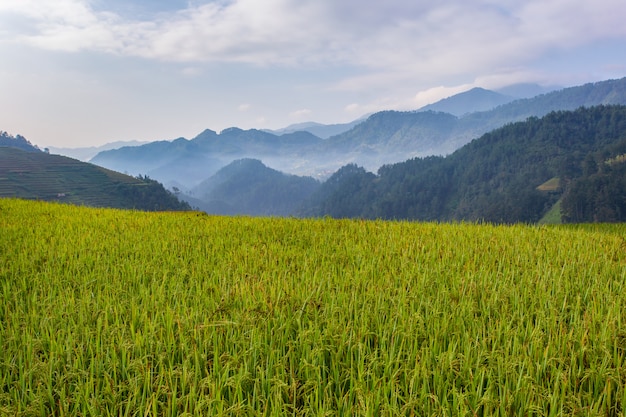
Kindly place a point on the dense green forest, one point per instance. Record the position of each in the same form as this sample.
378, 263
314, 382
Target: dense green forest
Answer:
497, 177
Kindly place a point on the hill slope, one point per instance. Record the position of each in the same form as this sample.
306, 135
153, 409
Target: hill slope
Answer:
249, 187
39, 176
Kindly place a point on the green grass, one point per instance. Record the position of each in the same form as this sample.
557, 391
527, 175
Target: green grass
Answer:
125, 313
553, 216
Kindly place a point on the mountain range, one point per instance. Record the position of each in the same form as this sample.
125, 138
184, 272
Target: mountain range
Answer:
566, 166
318, 129
383, 138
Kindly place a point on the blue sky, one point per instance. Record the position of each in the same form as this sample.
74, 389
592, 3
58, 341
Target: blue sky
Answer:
86, 72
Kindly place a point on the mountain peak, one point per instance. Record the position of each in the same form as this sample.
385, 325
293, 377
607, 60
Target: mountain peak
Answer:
470, 101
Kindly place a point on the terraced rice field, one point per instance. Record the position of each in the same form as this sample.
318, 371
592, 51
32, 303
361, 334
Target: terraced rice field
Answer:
39, 176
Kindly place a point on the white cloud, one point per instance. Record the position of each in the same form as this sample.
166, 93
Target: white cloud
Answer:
67, 25
299, 114
244, 107
353, 108
448, 37
434, 94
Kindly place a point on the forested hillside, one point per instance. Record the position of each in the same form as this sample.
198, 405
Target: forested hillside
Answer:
249, 187
497, 177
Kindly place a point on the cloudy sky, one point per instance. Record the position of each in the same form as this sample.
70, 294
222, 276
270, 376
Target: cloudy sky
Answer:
86, 72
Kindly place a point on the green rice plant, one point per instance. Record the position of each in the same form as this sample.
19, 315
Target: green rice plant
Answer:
125, 313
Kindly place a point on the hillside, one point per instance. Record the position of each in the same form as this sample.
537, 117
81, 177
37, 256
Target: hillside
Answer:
40, 176
495, 178
383, 138
249, 187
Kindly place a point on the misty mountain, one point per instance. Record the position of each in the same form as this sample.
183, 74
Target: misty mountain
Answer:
248, 187
383, 138
502, 176
393, 136
474, 100
86, 153
526, 90
188, 162
320, 130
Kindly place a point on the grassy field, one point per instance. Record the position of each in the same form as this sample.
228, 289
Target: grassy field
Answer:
125, 313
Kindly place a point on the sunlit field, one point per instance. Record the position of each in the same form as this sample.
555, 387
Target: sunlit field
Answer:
126, 313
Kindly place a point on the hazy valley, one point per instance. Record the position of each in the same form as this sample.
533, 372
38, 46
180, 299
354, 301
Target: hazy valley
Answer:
382, 138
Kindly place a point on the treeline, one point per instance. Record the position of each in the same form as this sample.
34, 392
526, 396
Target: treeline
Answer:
599, 193
495, 178
149, 195
17, 141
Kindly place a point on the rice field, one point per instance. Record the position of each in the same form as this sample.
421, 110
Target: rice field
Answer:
125, 313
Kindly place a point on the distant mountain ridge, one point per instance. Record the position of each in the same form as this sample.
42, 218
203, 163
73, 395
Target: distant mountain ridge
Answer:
318, 129
474, 100
526, 90
86, 153
188, 162
383, 138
